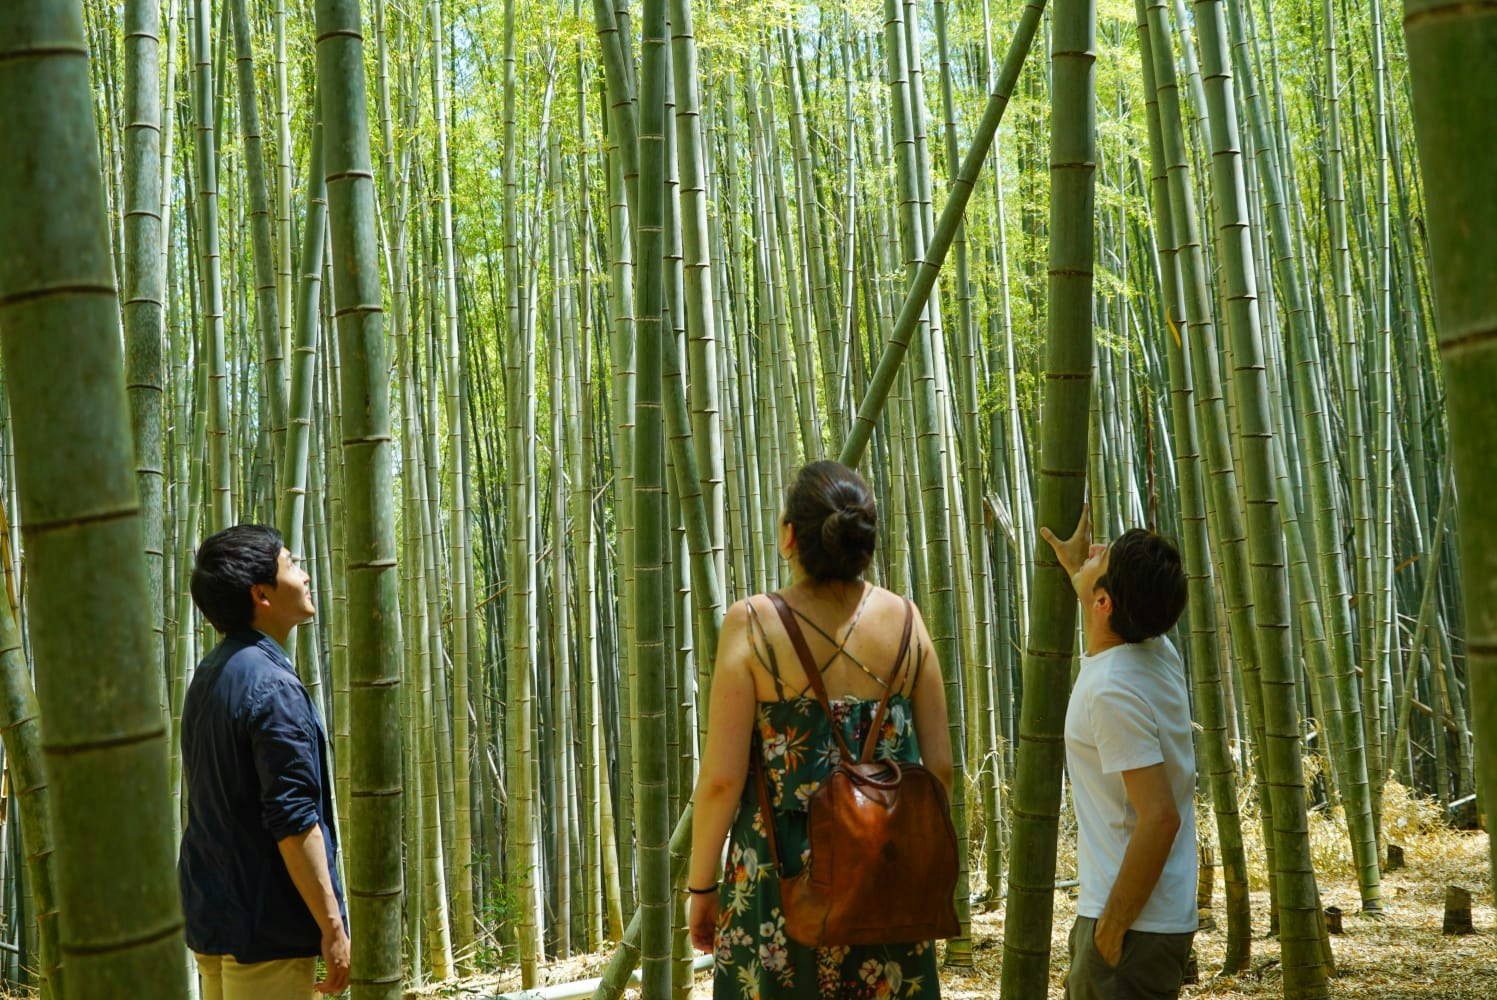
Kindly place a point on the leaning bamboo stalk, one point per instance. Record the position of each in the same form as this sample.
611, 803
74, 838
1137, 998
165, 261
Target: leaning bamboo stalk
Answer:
941, 238
1403, 769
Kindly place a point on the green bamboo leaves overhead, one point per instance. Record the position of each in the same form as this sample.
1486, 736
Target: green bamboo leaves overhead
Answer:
105, 742
1453, 75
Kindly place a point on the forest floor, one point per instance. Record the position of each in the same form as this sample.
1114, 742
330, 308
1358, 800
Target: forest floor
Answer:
1401, 956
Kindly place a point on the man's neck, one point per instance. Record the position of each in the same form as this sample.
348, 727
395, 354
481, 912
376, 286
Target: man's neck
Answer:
282, 636
1099, 637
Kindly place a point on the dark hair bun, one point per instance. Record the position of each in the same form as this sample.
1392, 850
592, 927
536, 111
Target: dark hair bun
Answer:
836, 524
848, 529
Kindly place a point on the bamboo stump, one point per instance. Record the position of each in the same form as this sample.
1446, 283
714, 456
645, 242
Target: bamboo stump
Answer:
1395, 858
1333, 919
1206, 888
1457, 911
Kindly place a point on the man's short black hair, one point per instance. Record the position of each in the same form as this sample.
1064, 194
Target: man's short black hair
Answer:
228, 564
1146, 582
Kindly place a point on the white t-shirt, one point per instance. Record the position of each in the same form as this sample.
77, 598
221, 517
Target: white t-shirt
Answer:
1130, 708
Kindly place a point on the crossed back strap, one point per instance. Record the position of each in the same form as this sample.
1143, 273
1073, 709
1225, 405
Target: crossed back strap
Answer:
813, 674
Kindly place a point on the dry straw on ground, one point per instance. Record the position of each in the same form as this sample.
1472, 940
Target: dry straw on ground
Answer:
1401, 956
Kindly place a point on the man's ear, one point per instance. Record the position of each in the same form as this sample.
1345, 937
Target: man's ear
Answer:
257, 594
1103, 600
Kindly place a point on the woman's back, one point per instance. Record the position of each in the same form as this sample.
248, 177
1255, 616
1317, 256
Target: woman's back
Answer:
853, 633
856, 642
763, 708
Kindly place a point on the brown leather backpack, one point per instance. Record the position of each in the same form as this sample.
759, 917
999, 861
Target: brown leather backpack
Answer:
883, 862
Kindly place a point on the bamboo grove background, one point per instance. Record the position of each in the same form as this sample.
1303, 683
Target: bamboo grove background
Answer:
516, 318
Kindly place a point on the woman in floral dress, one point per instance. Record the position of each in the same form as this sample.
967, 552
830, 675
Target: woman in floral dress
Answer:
760, 697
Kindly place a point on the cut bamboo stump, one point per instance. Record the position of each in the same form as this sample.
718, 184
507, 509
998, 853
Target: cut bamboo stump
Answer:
1206, 888
1457, 911
1395, 858
1333, 919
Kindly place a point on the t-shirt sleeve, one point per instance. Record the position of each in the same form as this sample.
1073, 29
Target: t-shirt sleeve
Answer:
1125, 727
284, 741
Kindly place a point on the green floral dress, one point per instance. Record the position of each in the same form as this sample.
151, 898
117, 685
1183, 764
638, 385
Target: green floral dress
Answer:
755, 960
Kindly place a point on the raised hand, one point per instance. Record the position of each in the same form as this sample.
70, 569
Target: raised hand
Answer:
1074, 551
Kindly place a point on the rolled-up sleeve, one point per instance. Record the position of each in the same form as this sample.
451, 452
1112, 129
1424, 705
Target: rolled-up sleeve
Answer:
284, 743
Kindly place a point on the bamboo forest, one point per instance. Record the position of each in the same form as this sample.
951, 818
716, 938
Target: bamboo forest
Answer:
515, 318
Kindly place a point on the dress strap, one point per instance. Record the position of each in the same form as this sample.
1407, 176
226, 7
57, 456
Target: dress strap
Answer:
871, 741
772, 664
841, 644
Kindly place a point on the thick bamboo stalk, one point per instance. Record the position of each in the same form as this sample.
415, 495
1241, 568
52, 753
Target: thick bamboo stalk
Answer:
1063, 450
144, 294
374, 654
120, 920
1449, 45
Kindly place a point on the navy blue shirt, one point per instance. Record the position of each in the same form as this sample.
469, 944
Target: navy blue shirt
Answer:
254, 755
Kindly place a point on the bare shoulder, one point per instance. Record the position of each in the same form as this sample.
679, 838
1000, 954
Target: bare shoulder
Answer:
733, 639
736, 618
891, 607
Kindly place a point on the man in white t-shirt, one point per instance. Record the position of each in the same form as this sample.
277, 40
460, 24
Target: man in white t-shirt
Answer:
1132, 768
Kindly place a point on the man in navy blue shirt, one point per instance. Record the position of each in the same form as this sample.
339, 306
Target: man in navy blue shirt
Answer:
260, 889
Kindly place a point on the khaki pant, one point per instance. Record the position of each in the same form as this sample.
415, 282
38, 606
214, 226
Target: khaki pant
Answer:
286, 979
1150, 968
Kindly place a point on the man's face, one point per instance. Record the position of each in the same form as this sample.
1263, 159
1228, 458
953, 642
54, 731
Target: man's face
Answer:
289, 602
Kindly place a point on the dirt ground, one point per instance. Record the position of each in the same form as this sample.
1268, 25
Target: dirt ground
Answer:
1401, 956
